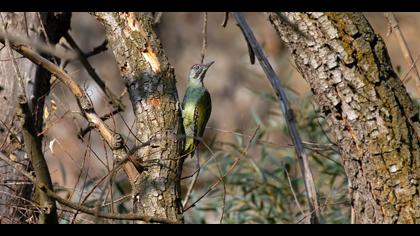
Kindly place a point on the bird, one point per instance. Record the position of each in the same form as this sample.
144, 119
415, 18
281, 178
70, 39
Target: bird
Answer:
196, 107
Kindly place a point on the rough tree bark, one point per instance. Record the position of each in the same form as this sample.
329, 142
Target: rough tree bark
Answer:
150, 80
15, 197
375, 123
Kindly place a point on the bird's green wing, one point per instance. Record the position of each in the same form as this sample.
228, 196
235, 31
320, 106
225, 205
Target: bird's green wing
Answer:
203, 110
196, 113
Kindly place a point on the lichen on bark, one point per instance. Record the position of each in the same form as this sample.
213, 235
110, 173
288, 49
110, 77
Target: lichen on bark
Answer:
373, 118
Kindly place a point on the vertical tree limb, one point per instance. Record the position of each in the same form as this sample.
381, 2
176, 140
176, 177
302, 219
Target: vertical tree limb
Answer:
150, 80
33, 147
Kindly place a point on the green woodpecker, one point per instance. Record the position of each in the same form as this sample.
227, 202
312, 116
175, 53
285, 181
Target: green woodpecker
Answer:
196, 107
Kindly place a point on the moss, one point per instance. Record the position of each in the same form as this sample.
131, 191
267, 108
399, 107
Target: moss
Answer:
345, 39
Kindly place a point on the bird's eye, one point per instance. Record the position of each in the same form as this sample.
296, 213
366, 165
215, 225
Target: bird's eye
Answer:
196, 70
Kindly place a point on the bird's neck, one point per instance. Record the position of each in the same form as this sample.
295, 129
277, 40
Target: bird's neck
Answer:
195, 83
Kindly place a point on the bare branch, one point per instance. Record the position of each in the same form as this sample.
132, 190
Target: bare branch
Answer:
38, 45
81, 208
289, 115
114, 140
105, 117
91, 71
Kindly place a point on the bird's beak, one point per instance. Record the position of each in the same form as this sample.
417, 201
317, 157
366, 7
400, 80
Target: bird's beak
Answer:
209, 64
204, 71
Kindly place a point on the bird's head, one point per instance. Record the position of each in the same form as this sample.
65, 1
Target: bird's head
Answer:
198, 71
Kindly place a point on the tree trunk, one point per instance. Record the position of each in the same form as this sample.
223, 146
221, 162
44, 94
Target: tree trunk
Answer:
375, 123
15, 191
150, 80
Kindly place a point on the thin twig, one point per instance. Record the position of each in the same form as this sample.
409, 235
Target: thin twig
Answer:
26, 24
16, 68
9, 59
77, 182
9, 132
157, 17
395, 27
82, 190
290, 118
307, 144
53, 123
29, 202
321, 207
13, 59
225, 19
105, 117
91, 71
293, 192
39, 45
231, 168
44, 32
103, 178
193, 181
405, 77
222, 215
99, 49
204, 46
206, 162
